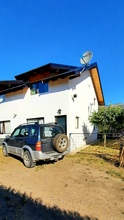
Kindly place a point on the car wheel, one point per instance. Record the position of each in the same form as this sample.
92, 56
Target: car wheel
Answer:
60, 142
5, 153
27, 159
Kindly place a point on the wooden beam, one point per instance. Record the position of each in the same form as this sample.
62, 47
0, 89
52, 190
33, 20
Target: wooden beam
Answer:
97, 85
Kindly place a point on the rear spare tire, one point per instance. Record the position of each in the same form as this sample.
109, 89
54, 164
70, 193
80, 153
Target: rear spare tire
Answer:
60, 142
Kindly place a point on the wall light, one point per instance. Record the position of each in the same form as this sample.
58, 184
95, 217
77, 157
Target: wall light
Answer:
74, 96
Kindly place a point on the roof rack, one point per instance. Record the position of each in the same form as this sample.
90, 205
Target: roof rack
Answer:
51, 123
36, 123
29, 123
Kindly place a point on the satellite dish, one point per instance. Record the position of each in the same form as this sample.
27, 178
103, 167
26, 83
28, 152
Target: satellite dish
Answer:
87, 56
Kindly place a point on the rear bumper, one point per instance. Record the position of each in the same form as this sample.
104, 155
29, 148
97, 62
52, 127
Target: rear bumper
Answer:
38, 155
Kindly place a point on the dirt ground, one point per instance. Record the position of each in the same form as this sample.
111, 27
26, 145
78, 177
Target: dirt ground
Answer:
62, 190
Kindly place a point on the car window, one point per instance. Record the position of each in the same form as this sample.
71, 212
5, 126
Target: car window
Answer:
50, 131
33, 131
21, 132
24, 132
16, 132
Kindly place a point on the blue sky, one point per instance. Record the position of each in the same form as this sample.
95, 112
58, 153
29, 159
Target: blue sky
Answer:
36, 32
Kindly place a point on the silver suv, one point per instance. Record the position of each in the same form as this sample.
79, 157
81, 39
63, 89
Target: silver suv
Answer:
35, 142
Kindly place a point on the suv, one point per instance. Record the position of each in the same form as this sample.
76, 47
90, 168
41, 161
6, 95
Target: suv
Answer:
35, 142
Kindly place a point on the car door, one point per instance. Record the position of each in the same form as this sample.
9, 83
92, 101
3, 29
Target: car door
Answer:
11, 141
47, 134
21, 140
46, 139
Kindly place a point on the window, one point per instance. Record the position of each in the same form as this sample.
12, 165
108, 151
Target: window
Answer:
34, 89
76, 122
42, 87
24, 132
5, 127
94, 101
33, 132
16, 132
50, 131
38, 87
21, 132
35, 120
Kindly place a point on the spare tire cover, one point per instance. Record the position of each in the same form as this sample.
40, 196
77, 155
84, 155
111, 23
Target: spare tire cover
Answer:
60, 142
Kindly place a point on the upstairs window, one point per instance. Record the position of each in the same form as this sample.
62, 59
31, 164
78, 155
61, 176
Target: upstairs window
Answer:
38, 87
34, 89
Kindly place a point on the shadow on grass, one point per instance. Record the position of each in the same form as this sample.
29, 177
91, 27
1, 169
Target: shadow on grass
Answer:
14, 205
112, 160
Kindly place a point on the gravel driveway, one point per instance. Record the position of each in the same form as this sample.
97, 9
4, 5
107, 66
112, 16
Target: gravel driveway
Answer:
62, 190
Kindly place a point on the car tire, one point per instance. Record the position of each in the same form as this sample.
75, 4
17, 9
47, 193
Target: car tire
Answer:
27, 159
60, 142
5, 153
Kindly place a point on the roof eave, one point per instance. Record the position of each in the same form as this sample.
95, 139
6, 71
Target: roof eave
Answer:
13, 89
97, 85
75, 72
46, 67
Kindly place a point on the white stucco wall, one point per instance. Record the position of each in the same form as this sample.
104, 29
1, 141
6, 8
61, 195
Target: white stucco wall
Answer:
85, 102
60, 96
24, 105
82, 106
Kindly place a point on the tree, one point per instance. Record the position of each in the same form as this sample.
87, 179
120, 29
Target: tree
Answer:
108, 118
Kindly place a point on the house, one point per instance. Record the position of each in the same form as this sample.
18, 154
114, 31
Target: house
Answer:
53, 93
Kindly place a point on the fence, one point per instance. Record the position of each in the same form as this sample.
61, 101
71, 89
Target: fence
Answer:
81, 140
96, 150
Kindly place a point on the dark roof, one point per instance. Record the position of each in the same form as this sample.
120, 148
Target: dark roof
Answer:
52, 68
72, 73
11, 86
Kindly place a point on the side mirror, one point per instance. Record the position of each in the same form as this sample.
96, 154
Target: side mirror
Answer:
7, 136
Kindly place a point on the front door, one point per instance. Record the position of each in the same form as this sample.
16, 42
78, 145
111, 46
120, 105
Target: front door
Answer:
62, 120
